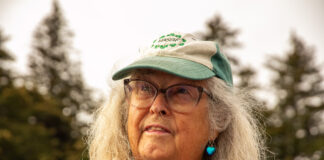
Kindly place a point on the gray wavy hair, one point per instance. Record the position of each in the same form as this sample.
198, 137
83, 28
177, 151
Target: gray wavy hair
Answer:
231, 113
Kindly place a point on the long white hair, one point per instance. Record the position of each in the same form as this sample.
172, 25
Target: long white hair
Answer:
231, 113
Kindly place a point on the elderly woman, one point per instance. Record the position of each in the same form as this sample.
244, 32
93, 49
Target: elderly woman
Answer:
177, 102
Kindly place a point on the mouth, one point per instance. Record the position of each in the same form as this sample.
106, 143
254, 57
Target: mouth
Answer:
157, 129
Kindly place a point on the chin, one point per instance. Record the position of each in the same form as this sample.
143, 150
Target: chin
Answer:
156, 153
157, 156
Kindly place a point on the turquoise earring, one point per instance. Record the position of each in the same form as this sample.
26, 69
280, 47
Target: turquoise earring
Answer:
210, 149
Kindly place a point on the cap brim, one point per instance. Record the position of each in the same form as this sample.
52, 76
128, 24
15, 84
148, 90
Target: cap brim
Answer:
176, 66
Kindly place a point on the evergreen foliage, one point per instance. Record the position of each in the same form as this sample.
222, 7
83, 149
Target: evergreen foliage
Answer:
52, 69
5, 58
40, 115
33, 127
54, 72
296, 122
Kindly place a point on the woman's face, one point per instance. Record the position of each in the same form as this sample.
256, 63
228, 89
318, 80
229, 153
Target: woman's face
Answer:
159, 132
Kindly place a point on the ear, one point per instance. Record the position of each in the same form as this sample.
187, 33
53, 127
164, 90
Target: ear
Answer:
215, 135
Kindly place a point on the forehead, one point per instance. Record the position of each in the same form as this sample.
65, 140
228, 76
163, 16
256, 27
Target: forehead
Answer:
163, 78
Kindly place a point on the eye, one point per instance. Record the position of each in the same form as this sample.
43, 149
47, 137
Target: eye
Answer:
182, 95
144, 88
182, 90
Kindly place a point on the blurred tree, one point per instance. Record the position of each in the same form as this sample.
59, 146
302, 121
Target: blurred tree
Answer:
33, 127
55, 73
5, 57
226, 37
296, 122
53, 70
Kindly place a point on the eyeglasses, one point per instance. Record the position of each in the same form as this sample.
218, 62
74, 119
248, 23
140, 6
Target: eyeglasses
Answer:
180, 97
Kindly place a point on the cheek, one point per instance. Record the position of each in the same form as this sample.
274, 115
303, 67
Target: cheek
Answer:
194, 128
135, 118
193, 132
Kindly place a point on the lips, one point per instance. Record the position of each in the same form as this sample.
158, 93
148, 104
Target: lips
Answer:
156, 128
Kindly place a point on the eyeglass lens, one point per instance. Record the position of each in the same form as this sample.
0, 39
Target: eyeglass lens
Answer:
182, 98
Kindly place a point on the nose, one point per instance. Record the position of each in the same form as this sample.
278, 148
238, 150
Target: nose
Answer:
160, 106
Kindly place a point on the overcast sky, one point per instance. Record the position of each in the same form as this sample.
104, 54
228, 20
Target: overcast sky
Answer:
109, 31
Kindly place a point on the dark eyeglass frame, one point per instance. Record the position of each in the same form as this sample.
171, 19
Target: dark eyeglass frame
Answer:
164, 90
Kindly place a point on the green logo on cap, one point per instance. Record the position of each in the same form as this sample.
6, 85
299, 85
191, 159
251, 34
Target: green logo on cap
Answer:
170, 40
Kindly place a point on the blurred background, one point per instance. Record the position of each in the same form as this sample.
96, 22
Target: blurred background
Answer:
57, 57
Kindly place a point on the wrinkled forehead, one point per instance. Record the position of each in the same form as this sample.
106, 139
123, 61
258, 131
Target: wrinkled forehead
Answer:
163, 77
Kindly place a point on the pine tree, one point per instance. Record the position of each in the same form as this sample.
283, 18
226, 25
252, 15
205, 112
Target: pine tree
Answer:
52, 69
6, 76
226, 37
54, 73
32, 125
296, 123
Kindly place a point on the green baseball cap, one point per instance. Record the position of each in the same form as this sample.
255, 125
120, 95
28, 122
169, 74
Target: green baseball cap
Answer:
183, 55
